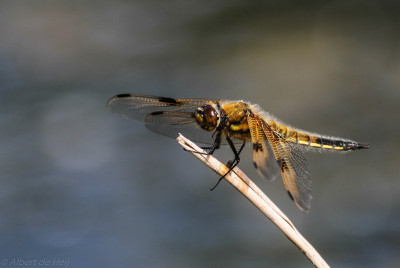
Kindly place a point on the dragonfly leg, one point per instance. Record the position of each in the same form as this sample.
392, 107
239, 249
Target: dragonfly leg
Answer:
231, 163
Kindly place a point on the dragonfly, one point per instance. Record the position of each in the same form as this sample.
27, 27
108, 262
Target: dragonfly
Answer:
278, 149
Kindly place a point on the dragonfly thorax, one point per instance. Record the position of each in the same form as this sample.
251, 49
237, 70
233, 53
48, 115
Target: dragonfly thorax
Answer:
236, 112
207, 117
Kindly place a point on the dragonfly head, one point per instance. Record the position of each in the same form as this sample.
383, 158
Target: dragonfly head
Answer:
207, 116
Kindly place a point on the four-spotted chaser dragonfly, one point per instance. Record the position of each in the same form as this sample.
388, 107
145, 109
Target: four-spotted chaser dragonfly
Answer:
277, 148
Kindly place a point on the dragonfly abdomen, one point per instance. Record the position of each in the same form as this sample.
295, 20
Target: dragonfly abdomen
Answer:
315, 141
335, 144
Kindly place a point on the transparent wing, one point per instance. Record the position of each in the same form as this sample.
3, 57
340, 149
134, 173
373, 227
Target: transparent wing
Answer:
166, 116
137, 107
174, 122
294, 169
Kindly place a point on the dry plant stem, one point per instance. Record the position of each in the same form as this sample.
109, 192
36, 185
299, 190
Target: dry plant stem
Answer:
244, 185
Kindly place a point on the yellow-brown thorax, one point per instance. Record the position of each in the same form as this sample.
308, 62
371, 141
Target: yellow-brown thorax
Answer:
237, 120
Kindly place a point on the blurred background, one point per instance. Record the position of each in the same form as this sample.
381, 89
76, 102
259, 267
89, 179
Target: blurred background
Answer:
81, 184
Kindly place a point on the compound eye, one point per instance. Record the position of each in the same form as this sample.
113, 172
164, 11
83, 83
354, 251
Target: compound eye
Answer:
207, 117
210, 116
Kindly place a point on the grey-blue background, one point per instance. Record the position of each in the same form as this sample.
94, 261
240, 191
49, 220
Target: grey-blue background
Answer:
82, 184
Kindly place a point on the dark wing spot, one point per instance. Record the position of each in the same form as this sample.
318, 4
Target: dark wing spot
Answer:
282, 164
290, 195
123, 95
255, 165
157, 113
257, 147
169, 101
